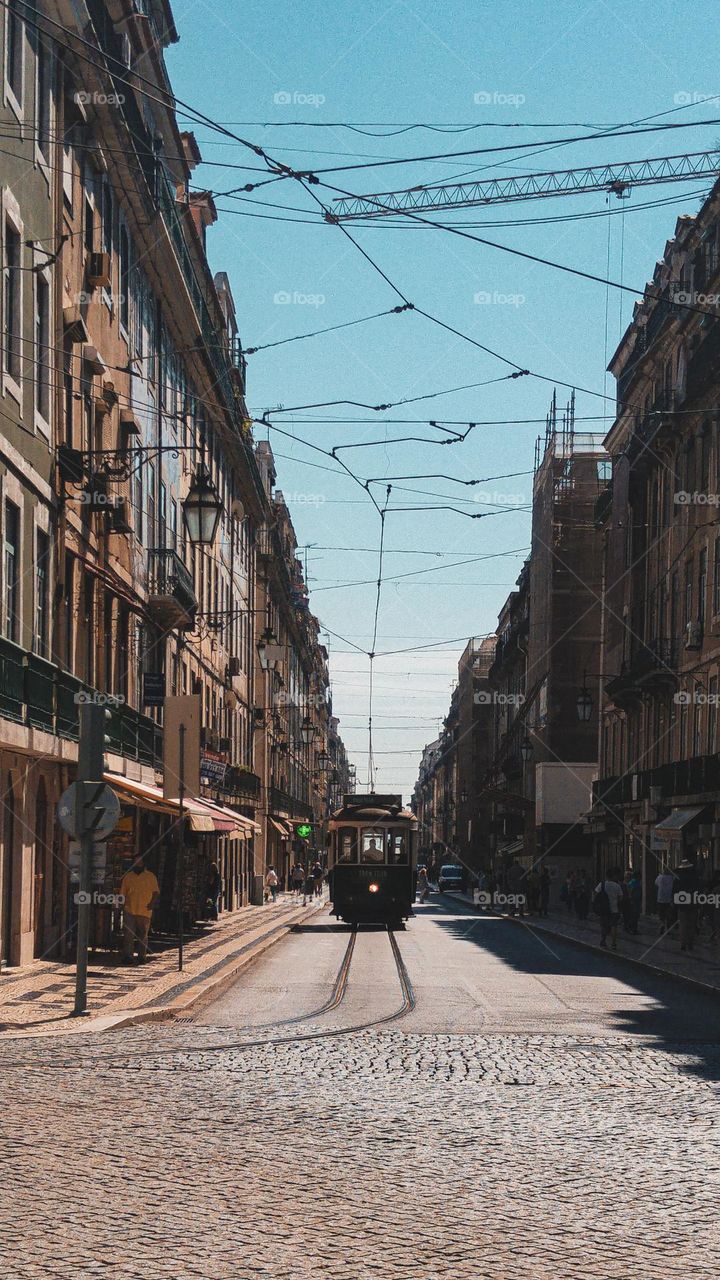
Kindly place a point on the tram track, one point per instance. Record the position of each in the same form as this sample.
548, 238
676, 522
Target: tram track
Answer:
334, 1001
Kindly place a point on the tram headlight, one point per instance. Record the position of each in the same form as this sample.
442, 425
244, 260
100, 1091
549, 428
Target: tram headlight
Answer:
373, 888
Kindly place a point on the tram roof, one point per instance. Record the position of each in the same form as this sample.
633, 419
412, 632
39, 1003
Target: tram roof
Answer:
373, 808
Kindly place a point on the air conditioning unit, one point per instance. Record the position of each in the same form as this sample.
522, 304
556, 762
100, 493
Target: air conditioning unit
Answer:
98, 270
233, 668
694, 635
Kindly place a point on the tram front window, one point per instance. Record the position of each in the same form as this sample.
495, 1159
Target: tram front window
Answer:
398, 848
373, 846
347, 845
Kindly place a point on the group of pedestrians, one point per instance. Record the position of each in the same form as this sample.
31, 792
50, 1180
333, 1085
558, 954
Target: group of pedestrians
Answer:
680, 900
307, 882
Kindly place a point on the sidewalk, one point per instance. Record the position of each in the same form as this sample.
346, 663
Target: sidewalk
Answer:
660, 955
39, 998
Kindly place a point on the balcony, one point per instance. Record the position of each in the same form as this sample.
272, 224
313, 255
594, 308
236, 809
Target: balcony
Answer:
651, 668
282, 802
241, 784
37, 694
171, 596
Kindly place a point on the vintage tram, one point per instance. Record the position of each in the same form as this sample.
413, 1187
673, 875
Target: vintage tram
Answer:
372, 860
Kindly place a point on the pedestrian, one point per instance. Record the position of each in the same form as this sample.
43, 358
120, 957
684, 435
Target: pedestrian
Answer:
533, 892
214, 890
632, 901
272, 883
665, 899
515, 881
686, 891
422, 888
297, 878
545, 881
140, 892
606, 905
317, 875
582, 896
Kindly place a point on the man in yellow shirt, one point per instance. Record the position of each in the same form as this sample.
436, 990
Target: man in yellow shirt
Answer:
140, 891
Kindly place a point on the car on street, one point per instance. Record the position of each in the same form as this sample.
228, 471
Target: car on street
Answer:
451, 877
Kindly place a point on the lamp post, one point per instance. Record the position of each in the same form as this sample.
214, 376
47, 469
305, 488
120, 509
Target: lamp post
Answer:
526, 749
268, 649
202, 509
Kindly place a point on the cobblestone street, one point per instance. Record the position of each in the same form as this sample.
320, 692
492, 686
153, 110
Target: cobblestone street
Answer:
539, 1112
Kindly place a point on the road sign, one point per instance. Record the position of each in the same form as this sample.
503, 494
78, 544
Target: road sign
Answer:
99, 862
101, 810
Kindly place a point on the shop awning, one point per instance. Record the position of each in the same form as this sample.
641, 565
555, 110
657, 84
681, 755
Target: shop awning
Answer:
280, 827
515, 846
203, 815
139, 793
676, 821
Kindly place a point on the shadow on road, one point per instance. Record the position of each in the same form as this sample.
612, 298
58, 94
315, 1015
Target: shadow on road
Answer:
682, 1020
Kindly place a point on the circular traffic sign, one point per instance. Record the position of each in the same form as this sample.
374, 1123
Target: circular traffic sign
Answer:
101, 810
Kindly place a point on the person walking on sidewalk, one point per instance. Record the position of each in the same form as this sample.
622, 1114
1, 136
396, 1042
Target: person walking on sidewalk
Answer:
607, 903
297, 878
686, 902
318, 875
140, 892
582, 897
665, 897
272, 882
545, 881
214, 891
632, 902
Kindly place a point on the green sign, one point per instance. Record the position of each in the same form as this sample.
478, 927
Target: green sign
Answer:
303, 830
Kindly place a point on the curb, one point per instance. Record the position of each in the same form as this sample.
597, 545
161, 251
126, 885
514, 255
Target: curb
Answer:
707, 987
201, 993
207, 991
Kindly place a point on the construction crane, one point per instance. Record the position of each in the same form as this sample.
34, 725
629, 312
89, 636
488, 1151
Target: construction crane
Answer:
618, 179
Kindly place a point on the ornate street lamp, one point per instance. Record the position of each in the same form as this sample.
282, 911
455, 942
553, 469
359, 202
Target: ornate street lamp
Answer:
202, 509
322, 761
307, 731
526, 749
584, 704
269, 651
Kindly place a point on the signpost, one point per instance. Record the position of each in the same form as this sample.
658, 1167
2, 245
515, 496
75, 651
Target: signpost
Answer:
88, 810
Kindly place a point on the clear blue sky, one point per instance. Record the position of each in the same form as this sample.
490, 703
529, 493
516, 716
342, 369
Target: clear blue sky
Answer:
562, 65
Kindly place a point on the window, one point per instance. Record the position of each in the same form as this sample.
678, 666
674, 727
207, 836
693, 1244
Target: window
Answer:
107, 217
674, 605
42, 602
89, 221
68, 397
716, 577
138, 498
687, 616
14, 31
88, 607
67, 170
13, 305
43, 97
372, 847
69, 609
702, 586
347, 844
712, 715
124, 278
42, 347
11, 568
